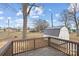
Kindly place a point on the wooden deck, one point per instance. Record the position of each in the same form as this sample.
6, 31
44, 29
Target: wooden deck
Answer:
41, 47
46, 51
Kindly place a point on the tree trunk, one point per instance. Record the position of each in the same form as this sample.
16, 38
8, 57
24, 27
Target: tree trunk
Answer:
76, 20
66, 21
76, 27
25, 14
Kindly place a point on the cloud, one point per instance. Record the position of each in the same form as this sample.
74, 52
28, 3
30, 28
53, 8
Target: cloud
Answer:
50, 9
19, 22
9, 18
1, 18
57, 14
19, 13
35, 16
36, 12
47, 20
39, 11
1, 12
14, 22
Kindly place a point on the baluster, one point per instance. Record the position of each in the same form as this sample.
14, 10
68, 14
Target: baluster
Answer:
72, 49
15, 47
48, 41
19, 46
77, 49
34, 44
12, 48
23, 46
69, 48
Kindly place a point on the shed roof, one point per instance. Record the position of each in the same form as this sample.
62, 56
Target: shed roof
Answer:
52, 31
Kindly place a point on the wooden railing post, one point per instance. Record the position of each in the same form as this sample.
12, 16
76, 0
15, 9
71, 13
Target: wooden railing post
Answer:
34, 44
12, 48
49, 41
77, 49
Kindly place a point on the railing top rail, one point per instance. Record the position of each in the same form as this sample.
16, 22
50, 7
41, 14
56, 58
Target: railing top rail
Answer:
57, 38
70, 41
30, 39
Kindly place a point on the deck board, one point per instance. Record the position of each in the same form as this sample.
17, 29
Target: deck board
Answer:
46, 51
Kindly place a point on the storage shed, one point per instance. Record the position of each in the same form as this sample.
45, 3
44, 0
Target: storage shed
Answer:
61, 32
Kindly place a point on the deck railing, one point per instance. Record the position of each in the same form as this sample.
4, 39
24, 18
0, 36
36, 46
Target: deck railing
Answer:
68, 47
19, 46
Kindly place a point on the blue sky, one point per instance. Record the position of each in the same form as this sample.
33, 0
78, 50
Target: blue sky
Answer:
13, 12
56, 9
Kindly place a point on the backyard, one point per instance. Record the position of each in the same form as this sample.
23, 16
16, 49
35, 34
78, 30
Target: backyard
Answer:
11, 36
18, 35
4, 36
29, 21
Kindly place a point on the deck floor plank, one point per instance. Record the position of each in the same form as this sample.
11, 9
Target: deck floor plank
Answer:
46, 51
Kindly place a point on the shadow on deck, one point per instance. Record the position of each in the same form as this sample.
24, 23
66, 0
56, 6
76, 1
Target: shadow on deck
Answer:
46, 51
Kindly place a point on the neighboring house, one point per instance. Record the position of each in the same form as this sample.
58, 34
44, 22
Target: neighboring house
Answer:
26, 30
11, 29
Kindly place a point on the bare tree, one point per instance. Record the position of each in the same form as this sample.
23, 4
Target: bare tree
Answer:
64, 17
70, 15
26, 12
74, 17
40, 24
